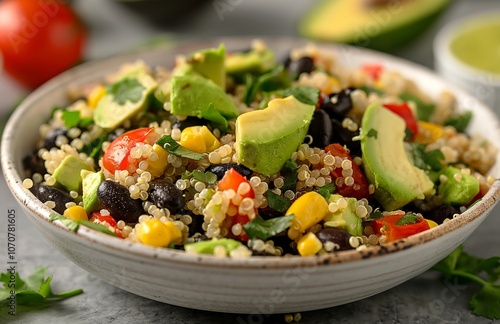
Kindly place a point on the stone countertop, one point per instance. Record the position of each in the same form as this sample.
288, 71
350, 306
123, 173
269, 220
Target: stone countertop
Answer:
424, 299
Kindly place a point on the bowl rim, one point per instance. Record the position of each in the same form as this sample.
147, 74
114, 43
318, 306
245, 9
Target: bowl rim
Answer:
39, 212
444, 55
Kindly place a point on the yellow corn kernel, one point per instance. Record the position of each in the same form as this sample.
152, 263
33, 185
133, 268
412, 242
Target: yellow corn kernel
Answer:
156, 233
309, 244
158, 166
95, 95
76, 213
175, 232
431, 223
428, 132
309, 210
333, 85
199, 139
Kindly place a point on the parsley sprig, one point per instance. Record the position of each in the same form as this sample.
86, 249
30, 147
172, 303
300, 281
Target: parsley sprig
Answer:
483, 272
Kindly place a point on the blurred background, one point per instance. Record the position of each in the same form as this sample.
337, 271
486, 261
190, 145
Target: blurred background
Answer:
39, 39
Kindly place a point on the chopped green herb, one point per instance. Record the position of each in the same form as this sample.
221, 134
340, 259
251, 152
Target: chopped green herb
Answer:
71, 118
171, 146
207, 177
265, 229
375, 215
369, 90
306, 94
408, 134
408, 219
277, 202
74, 225
429, 161
424, 110
270, 81
327, 190
460, 122
127, 89
372, 133
486, 302
84, 122
35, 289
289, 172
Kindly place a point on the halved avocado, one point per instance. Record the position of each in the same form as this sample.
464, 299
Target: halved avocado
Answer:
382, 27
397, 181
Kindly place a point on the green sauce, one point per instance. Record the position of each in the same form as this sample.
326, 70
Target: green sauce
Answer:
478, 44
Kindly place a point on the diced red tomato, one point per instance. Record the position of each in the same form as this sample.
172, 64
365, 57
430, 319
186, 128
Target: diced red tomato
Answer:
96, 217
373, 69
404, 111
359, 189
117, 154
232, 180
395, 232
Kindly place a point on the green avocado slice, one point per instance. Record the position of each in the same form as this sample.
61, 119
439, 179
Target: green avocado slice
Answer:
397, 181
383, 27
265, 139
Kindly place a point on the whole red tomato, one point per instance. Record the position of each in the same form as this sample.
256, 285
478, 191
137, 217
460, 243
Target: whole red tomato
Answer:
39, 39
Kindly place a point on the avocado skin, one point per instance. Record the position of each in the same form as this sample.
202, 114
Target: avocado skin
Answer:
388, 40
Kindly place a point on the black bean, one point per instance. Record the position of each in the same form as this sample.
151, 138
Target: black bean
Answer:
189, 122
34, 164
166, 195
320, 129
220, 169
339, 237
51, 137
304, 64
439, 214
48, 193
337, 105
344, 136
116, 199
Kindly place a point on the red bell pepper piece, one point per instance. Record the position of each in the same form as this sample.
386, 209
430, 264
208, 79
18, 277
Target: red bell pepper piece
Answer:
404, 111
389, 226
359, 189
373, 69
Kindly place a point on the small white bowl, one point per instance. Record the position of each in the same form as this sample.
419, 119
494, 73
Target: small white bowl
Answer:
259, 285
482, 84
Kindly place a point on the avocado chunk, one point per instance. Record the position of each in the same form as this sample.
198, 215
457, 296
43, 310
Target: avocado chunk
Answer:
384, 27
265, 139
67, 174
397, 181
210, 63
345, 218
123, 99
90, 184
194, 95
255, 61
459, 188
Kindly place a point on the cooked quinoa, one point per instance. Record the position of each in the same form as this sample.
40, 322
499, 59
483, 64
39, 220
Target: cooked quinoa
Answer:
163, 203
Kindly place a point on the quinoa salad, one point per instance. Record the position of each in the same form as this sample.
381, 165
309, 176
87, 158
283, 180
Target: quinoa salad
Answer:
239, 154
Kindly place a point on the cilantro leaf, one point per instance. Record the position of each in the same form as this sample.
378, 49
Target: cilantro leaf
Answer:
327, 190
289, 172
207, 177
428, 161
460, 122
372, 133
127, 89
408, 219
270, 81
35, 289
171, 146
265, 229
277, 202
73, 225
306, 94
71, 118
424, 110
486, 302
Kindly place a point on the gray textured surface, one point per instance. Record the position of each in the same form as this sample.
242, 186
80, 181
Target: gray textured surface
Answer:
424, 299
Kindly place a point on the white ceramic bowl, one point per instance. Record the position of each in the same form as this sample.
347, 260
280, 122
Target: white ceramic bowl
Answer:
258, 285
483, 85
